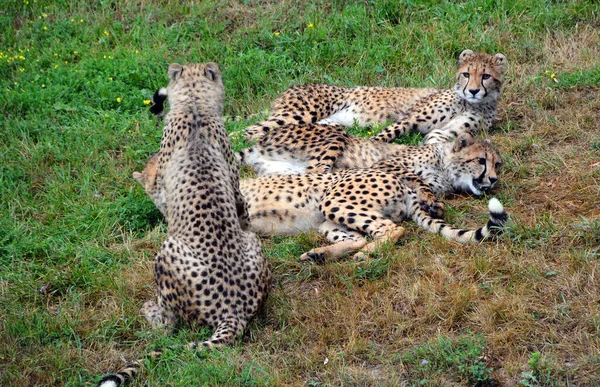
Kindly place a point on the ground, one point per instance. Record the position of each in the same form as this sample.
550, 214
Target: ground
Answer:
78, 235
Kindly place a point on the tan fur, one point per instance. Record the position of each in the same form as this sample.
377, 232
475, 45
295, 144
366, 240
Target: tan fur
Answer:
462, 165
209, 270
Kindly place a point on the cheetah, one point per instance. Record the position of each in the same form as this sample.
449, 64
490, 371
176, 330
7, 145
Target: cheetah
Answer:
438, 114
465, 165
209, 270
345, 206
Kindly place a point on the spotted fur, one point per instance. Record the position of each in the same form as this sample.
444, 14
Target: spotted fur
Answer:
347, 205
209, 271
438, 114
463, 165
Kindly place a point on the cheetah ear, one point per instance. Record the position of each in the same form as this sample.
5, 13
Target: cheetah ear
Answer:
500, 61
175, 69
464, 55
462, 141
212, 71
139, 177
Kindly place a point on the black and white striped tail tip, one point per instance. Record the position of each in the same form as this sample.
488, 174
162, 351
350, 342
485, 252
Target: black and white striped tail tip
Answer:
158, 101
111, 381
497, 210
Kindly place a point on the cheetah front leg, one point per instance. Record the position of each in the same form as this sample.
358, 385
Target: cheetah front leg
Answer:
424, 116
344, 241
466, 122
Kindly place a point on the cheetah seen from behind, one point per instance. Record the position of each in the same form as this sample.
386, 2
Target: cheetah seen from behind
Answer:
438, 114
209, 270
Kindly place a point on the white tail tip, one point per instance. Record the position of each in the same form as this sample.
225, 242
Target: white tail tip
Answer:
162, 91
495, 206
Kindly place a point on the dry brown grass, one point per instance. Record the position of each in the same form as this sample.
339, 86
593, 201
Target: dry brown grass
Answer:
534, 290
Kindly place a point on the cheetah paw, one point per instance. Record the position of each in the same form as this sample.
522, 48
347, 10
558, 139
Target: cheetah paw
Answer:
313, 256
151, 311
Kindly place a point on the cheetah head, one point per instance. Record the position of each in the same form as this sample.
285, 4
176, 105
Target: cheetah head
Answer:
479, 76
147, 178
188, 82
473, 164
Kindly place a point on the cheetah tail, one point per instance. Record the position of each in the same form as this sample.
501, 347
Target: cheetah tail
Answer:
497, 219
123, 376
225, 334
158, 101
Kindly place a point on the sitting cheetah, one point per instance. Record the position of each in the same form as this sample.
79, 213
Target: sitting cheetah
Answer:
438, 114
209, 270
462, 165
344, 206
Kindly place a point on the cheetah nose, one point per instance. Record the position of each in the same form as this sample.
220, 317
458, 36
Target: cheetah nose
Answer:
474, 91
493, 180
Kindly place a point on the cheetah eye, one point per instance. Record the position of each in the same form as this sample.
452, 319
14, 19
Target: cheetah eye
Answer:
481, 160
486, 76
466, 75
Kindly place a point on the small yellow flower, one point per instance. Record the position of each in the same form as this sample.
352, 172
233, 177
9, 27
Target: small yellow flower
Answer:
111, 78
146, 102
277, 33
72, 20
106, 33
66, 62
81, 20
22, 69
44, 15
26, 2
55, 66
310, 25
552, 75
43, 85
137, 51
119, 99
74, 52
104, 56
44, 28
21, 57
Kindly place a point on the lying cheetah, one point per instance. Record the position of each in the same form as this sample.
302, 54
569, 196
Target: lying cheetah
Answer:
209, 270
438, 114
344, 206
462, 165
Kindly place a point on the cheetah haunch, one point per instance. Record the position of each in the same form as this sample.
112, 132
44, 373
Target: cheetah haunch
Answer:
438, 114
209, 270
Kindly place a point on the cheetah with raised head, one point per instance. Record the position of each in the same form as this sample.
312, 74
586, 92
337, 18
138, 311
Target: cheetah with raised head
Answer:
438, 114
463, 165
209, 270
345, 206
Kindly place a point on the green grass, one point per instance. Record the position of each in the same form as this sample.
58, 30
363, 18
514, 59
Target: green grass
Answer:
462, 357
78, 234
